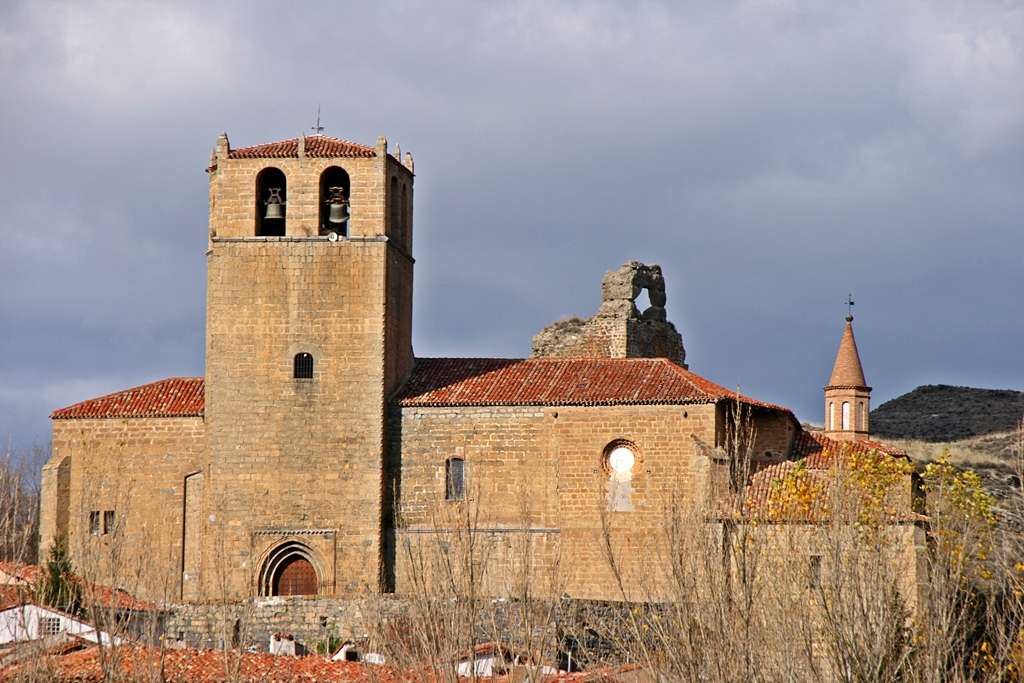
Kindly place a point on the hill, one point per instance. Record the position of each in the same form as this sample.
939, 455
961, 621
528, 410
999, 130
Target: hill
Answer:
941, 413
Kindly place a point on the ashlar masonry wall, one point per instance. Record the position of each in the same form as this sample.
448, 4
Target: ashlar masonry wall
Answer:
134, 469
294, 459
543, 472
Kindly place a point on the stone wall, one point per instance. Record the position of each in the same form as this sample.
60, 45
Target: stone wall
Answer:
543, 473
619, 329
233, 203
134, 468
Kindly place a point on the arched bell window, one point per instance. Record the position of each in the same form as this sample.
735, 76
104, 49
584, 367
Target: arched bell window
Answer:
271, 202
394, 217
303, 366
335, 209
406, 231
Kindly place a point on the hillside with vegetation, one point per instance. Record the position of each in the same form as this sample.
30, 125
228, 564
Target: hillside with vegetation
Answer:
943, 414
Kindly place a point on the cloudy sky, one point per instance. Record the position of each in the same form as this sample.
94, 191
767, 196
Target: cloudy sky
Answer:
771, 156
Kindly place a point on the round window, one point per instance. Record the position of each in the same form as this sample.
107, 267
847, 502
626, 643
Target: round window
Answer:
621, 459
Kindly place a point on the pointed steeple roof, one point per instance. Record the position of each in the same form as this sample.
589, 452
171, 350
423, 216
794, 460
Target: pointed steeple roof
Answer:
847, 371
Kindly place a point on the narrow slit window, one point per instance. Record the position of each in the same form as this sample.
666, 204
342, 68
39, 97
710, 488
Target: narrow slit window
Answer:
303, 366
814, 572
455, 479
94, 522
108, 521
846, 416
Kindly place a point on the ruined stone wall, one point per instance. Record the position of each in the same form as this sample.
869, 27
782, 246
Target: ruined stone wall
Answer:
543, 472
619, 329
135, 468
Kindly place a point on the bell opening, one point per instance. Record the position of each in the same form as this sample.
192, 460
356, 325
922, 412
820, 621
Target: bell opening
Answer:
335, 210
271, 203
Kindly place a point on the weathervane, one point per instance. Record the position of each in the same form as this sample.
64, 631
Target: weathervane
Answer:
318, 129
849, 308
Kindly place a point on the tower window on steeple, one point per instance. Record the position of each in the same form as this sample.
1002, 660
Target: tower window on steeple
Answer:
335, 209
846, 416
303, 366
271, 202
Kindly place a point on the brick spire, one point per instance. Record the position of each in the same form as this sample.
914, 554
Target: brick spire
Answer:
847, 371
847, 396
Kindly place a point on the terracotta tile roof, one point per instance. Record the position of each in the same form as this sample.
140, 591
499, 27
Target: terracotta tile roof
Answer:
316, 146
175, 397
559, 381
94, 594
817, 454
27, 573
208, 666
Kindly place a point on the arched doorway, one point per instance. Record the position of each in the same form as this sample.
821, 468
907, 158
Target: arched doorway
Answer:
290, 569
295, 576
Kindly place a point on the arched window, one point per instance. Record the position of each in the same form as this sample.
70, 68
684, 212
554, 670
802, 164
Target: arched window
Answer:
303, 366
860, 416
454, 479
846, 415
394, 217
271, 202
406, 230
831, 416
289, 570
335, 189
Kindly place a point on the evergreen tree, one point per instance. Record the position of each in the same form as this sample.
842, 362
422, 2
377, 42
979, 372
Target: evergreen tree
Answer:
59, 587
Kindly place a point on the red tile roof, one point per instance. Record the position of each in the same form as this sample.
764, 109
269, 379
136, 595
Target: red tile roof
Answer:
29, 573
316, 146
207, 666
559, 381
93, 594
820, 451
175, 397
817, 453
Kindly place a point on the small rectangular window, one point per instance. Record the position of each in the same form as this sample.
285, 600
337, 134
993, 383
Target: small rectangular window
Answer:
108, 521
455, 479
49, 626
94, 522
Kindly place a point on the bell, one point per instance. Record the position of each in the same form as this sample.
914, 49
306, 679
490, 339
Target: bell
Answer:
339, 213
274, 211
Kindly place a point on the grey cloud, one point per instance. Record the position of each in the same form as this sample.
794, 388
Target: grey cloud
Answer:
771, 156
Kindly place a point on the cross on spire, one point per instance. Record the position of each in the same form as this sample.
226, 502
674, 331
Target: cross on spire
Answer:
849, 308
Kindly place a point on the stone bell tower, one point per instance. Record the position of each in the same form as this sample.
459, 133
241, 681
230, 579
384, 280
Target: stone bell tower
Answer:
847, 396
309, 328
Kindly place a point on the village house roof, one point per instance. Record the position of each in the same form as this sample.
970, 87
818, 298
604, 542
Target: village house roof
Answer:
175, 397
816, 453
315, 146
559, 381
193, 664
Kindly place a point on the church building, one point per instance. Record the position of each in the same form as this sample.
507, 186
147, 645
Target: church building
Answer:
317, 446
